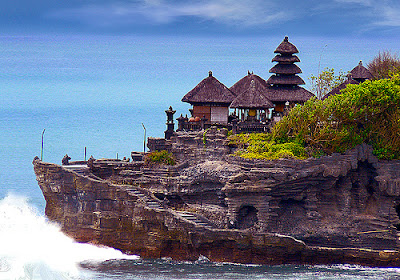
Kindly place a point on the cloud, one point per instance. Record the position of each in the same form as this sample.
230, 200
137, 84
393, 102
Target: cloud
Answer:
381, 13
391, 15
336, 16
244, 12
362, 2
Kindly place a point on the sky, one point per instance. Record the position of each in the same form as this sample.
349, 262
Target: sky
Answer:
63, 53
364, 18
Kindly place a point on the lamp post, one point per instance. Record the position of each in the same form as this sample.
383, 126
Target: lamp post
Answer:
41, 151
319, 95
144, 140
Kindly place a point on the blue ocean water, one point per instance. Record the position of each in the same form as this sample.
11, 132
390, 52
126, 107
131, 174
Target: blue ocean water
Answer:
96, 92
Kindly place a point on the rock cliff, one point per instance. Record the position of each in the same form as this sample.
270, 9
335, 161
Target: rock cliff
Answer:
342, 208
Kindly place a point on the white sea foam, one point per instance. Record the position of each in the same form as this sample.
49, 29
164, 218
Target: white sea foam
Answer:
33, 248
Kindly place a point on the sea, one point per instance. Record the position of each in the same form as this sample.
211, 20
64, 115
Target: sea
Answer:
105, 95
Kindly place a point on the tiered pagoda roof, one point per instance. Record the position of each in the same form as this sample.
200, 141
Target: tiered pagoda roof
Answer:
284, 84
209, 91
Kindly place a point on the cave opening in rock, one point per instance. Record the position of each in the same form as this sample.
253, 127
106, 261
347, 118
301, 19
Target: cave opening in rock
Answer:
174, 200
292, 207
160, 196
247, 217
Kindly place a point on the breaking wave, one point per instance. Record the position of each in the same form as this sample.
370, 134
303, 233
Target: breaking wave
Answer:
31, 247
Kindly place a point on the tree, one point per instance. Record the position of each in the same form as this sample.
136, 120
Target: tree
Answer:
384, 65
326, 81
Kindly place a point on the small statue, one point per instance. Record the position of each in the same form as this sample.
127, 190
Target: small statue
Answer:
65, 160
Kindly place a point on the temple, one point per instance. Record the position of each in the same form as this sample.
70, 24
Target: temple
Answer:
252, 104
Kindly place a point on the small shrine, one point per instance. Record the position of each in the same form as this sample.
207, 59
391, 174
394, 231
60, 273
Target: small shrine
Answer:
252, 107
360, 73
357, 75
251, 100
210, 100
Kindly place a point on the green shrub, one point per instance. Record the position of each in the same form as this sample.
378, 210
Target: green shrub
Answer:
365, 113
260, 146
368, 112
160, 157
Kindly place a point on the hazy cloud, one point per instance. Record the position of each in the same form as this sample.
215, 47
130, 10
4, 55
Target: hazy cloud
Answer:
335, 16
363, 2
244, 12
391, 15
384, 13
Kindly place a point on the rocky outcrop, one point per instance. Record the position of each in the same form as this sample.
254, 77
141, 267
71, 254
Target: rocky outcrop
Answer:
341, 208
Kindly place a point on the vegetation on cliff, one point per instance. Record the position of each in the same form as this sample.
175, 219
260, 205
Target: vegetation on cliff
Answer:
263, 146
368, 112
160, 157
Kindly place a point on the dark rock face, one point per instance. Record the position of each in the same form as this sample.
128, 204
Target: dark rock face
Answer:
342, 208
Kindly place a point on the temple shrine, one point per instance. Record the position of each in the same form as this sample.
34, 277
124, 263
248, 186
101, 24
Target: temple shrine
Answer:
210, 99
252, 104
357, 75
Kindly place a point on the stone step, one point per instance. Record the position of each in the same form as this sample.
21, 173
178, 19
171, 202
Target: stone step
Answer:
194, 219
149, 201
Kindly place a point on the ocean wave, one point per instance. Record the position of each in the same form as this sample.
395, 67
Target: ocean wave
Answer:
31, 247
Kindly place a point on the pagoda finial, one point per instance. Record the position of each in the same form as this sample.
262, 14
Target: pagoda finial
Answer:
209, 73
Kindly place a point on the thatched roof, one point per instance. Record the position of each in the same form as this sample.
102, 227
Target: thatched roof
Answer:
244, 84
285, 80
285, 69
209, 90
289, 93
286, 47
360, 73
337, 89
253, 97
286, 58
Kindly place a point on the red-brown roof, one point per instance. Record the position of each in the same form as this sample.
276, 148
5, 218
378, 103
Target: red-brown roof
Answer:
210, 91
